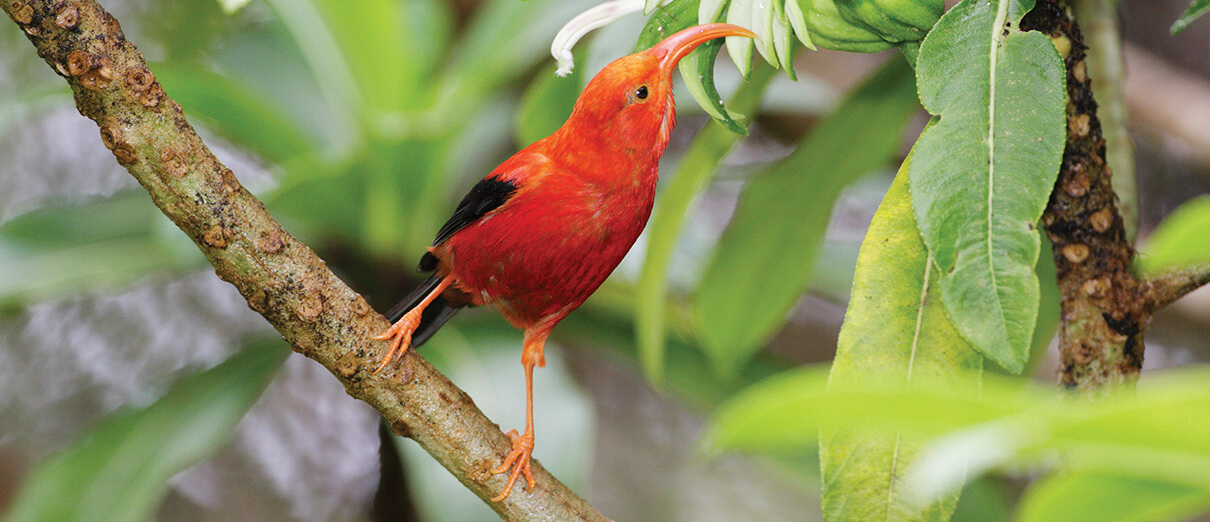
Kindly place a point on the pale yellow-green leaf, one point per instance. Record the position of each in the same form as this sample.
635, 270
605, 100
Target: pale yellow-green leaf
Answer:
896, 330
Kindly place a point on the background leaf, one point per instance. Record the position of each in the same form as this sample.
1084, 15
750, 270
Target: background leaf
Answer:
60, 250
548, 103
119, 471
1196, 9
241, 115
983, 173
1180, 239
1076, 497
690, 178
766, 256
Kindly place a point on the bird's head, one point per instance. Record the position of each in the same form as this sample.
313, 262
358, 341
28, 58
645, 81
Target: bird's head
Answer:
629, 103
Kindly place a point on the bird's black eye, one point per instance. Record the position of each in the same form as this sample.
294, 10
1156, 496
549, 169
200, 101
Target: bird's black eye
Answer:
641, 92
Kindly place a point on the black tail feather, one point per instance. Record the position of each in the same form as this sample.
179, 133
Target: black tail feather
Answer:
435, 314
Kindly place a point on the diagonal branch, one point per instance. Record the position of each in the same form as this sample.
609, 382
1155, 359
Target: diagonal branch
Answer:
281, 278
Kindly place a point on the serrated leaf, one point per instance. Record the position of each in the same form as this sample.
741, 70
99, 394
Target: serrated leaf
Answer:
689, 179
767, 253
120, 469
1180, 240
896, 330
1077, 497
697, 69
1196, 9
983, 173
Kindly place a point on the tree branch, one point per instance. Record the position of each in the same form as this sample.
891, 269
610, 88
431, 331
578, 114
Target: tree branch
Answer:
1166, 287
281, 278
1103, 304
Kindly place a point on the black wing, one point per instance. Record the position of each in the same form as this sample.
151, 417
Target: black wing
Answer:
484, 197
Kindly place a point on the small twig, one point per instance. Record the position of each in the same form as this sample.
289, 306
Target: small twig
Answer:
1166, 287
281, 278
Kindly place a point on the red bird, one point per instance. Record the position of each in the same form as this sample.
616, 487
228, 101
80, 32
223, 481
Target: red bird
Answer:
543, 230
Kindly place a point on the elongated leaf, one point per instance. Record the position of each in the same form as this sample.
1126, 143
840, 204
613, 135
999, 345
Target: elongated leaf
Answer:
63, 249
1078, 497
698, 162
1196, 9
370, 35
982, 175
697, 69
1180, 238
321, 50
502, 41
786, 412
896, 330
1149, 435
243, 116
766, 256
120, 470
739, 12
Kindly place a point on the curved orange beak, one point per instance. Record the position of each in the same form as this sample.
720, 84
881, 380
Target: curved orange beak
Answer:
685, 41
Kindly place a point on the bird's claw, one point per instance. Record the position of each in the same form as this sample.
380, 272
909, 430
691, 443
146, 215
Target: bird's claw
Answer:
400, 335
519, 461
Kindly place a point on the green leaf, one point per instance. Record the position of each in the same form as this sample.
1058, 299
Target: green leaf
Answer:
739, 12
233, 110
503, 40
428, 26
1149, 434
896, 330
60, 250
766, 256
983, 173
1180, 238
690, 178
119, 471
786, 412
1077, 497
369, 34
231, 7
697, 69
322, 53
547, 103
1196, 9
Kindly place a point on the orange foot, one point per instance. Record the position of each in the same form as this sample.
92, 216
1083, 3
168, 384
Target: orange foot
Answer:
519, 461
401, 333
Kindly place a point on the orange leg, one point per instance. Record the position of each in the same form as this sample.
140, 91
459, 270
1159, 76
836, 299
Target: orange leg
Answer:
518, 460
401, 331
